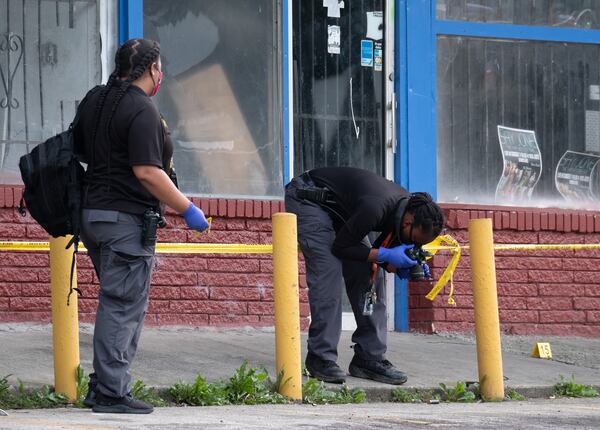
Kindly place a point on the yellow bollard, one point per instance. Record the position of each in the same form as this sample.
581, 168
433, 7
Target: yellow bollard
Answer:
287, 304
485, 297
65, 325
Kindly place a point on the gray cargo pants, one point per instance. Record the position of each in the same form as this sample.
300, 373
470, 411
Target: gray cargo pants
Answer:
124, 267
325, 275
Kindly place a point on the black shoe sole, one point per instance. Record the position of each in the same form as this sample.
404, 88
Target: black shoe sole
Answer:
360, 372
326, 378
119, 409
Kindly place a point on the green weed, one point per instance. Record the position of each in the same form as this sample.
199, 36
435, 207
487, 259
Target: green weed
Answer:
247, 386
514, 395
149, 395
250, 386
21, 398
315, 393
460, 393
200, 393
569, 388
402, 395
81, 381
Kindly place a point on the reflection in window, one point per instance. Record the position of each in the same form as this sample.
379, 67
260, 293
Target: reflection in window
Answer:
529, 94
556, 13
220, 93
49, 58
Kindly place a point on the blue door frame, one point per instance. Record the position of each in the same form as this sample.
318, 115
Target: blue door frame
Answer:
131, 19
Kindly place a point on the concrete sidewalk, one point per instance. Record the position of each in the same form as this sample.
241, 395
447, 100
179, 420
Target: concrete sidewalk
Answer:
167, 355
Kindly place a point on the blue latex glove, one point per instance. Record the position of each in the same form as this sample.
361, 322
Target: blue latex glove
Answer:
396, 256
194, 218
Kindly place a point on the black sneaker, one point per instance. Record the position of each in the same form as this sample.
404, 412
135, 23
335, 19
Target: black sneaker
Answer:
377, 370
324, 370
121, 405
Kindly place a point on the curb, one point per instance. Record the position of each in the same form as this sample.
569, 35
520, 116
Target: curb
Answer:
381, 394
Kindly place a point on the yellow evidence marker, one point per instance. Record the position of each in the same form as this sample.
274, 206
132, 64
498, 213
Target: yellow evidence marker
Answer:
542, 350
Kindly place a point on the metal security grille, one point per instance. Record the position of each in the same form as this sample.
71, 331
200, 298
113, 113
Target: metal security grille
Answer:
339, 104
49, 58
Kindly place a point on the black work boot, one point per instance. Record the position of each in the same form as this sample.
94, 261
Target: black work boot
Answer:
377, 370
121, 405
324, 370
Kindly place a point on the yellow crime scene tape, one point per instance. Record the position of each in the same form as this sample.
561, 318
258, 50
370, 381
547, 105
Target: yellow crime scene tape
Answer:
234, 248
165, 248
456, 250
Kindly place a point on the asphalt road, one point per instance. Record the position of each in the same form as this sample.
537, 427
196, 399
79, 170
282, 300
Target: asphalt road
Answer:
531, 415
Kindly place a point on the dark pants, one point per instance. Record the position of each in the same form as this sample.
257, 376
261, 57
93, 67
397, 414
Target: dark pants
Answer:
124, 267
326, 275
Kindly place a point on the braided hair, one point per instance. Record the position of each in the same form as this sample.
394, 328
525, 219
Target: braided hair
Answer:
131, 61
427, 214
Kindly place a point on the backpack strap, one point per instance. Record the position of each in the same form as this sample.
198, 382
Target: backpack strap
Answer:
76, 224
75, 242
85, 99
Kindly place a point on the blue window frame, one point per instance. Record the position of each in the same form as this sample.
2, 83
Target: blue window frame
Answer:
416, 32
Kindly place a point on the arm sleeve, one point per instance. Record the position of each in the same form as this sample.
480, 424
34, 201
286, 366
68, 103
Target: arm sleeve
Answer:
348, 241
146, 139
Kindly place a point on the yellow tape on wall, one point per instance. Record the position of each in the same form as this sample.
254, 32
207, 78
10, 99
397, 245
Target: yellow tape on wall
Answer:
234, 248
172, 248
455, 249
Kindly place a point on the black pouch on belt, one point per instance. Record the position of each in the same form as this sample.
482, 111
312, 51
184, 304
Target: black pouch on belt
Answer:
151, 220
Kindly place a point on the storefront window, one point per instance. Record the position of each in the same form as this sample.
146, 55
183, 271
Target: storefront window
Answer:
555, 13
518, 122
49, 58
221, 93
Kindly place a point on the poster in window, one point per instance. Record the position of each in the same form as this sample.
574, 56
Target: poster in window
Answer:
576, 177
366, 53
522, 165
378, 57
333, 39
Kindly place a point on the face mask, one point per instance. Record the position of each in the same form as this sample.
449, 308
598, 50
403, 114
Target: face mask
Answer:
156, 84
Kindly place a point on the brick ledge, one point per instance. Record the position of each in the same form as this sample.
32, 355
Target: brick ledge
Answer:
226, 208
523, 218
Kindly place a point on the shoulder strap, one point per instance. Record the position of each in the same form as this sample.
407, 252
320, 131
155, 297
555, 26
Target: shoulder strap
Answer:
79, 107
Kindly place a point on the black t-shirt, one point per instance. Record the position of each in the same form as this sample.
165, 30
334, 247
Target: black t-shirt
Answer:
366, 202
136, 136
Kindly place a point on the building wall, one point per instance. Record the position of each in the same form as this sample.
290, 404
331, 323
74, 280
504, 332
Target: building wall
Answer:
540, 292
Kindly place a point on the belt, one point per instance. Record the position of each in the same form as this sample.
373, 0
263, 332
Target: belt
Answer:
309, 191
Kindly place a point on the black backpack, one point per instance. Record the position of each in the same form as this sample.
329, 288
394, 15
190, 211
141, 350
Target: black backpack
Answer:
53, 178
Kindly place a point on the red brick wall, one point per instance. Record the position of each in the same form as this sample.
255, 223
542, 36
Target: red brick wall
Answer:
544, 292
539, 292
198, 290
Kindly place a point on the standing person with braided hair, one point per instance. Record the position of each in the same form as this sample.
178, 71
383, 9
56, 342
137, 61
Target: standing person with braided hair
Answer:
123, 140
337, 207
